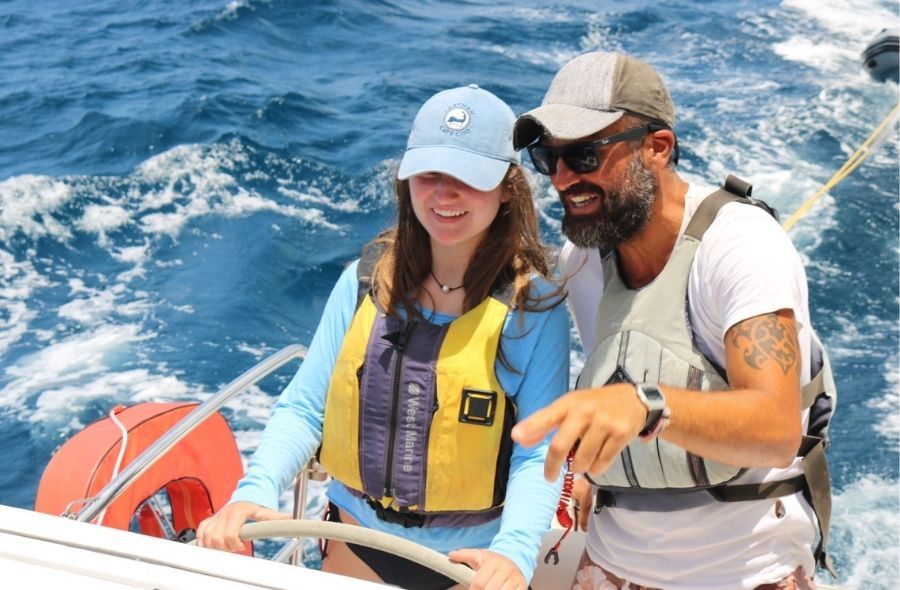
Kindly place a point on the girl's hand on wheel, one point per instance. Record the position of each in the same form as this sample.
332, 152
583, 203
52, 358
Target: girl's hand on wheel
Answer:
222, 530
492, 570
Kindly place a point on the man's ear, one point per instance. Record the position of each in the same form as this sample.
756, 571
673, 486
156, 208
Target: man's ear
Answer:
661, 144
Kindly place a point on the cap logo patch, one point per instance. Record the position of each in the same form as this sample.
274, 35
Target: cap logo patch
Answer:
456, 119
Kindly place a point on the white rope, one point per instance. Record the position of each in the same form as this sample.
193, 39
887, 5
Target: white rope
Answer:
118, 465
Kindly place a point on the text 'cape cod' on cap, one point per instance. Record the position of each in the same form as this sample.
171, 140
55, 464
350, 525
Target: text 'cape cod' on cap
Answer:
592, 92
464, 132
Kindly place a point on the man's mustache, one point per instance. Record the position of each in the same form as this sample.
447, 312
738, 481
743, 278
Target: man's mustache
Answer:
581, 188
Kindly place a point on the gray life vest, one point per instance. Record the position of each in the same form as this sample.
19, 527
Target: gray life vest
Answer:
645, 336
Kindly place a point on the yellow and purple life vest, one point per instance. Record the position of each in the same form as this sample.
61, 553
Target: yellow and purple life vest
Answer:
416, 420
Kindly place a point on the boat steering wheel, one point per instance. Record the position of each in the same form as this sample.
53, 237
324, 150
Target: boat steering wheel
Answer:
358, 535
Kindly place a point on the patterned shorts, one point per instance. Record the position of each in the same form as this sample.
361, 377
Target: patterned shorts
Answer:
591, 576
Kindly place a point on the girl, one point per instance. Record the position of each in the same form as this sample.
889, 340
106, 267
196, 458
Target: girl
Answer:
430, 348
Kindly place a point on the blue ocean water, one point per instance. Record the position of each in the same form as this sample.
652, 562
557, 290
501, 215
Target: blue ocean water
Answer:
181, 184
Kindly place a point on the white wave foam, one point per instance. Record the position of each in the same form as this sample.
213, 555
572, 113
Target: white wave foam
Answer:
600, 38
88, 310
99, 304
855, 339
189, 169
18, 282
864, 529
257, 352
53, 386
770, 152
232, 7
252, 408
537, 15
27, 204
576, 364
852, 19
72, 358
887, 406
858, 336
597, 37
315, 195
247, 204
63, 377
247, 442
137, 256
15, 323
545, 196
230, 12
766, 157
161, 198
198, 180
812, 52
102, 219
131, 387
850, 26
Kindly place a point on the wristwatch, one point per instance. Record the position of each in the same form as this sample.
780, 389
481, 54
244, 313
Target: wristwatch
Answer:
655, 402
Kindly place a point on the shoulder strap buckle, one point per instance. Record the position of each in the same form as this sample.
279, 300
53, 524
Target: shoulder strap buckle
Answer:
744, 189
736, 186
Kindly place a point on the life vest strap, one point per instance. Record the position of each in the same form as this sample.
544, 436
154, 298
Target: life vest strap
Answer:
758, 491
410, 519
818, 491
370, 255
673, 500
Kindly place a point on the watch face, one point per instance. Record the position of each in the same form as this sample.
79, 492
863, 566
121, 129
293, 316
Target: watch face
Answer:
651, 392
651, 396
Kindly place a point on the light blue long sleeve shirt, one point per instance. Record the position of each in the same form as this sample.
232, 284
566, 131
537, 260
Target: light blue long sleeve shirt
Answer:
537, 348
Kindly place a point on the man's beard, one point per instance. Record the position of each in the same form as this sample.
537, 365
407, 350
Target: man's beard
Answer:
624, 211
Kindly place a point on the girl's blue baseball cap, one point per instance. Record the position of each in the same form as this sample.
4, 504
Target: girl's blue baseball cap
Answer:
465, 132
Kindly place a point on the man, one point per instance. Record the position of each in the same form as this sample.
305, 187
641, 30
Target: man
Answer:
689, 417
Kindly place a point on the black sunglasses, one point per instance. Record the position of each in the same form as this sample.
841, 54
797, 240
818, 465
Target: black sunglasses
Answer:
581, 157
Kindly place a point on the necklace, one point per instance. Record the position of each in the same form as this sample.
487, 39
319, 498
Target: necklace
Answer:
444, 288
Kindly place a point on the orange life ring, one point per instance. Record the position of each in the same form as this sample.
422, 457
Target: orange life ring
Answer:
198, 474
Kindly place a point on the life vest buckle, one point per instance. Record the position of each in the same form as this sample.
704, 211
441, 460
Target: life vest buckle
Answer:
603, 498
405, 518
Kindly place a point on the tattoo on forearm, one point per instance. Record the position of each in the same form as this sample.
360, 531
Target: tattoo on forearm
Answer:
765, 337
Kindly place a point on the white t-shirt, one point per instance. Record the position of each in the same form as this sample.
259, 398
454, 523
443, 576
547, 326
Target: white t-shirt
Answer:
745, 266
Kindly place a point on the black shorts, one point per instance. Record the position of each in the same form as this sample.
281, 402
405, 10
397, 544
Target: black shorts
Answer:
393, 569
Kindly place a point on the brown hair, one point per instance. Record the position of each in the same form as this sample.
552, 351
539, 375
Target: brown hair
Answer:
510, 253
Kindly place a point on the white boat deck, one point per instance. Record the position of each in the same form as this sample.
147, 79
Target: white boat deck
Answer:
43, 551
